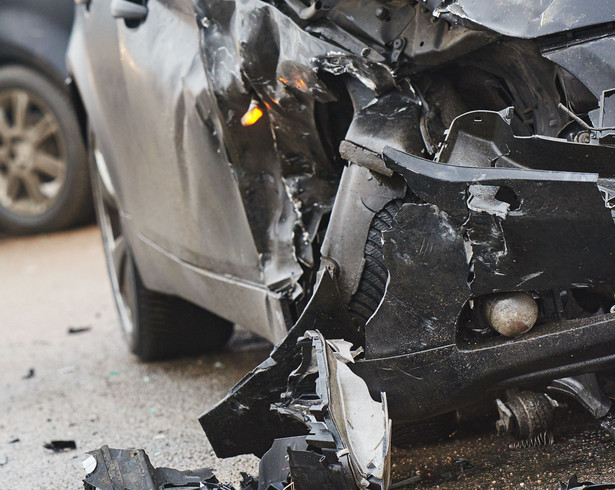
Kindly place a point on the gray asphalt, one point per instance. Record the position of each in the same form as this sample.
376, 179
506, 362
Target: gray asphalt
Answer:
88, 388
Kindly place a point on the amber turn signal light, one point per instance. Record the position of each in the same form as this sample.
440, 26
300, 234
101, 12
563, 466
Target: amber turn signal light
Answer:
253, 114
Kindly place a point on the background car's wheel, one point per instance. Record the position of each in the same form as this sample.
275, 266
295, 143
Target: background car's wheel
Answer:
157, 326
44, 178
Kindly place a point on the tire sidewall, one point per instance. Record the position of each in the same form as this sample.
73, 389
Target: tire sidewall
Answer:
130, 282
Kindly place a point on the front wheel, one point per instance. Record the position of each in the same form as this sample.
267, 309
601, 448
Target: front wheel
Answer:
157, 326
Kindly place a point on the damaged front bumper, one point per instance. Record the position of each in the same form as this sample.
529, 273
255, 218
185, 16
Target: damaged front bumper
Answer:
497, 213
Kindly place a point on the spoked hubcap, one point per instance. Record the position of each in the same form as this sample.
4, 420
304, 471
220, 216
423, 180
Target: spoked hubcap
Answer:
33, 159
119, 263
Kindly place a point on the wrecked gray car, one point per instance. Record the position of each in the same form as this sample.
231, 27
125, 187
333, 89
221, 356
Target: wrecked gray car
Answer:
432, 182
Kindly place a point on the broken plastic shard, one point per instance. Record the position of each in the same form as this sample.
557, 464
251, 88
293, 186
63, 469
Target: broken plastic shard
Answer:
342, 350
89, 464
59, 446
131, 468
246, 409
483, 199
346, 426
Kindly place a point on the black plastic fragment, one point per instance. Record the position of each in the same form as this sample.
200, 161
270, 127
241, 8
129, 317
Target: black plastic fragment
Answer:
29, 375
74, 330
274, 469
246, 409
132, 469
574, 483
60, 446
312, 472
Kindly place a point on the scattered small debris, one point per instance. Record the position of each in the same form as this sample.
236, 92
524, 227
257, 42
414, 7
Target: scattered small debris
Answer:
74, 330
66, 370
114, 373
29, 375
218, 365
463, 464
6, 460
159, 436
60, 446
14, 441
407, 481
146, 379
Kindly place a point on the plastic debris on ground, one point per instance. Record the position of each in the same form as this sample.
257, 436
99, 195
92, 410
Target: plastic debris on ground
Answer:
575, 484
60, 446
111, 469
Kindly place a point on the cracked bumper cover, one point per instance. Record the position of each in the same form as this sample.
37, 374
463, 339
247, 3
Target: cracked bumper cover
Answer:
460, 242
455, 241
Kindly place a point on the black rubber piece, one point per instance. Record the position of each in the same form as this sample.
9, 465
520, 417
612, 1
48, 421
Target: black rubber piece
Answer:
374, 276
74, 203
168, 327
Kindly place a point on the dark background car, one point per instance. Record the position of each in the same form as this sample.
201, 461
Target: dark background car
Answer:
44, 179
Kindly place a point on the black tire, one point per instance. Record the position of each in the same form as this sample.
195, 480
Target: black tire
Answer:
157, 326
72, 205
375, 274
168, 327
364, 303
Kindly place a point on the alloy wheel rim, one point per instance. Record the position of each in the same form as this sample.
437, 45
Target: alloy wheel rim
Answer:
116, 248
33, 159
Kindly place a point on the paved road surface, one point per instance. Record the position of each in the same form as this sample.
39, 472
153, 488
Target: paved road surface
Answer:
87, 387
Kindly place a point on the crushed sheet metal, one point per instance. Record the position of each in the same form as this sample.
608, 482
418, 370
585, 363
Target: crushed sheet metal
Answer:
526, 18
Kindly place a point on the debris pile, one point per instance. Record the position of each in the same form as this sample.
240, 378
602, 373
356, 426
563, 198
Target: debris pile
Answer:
110, 469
